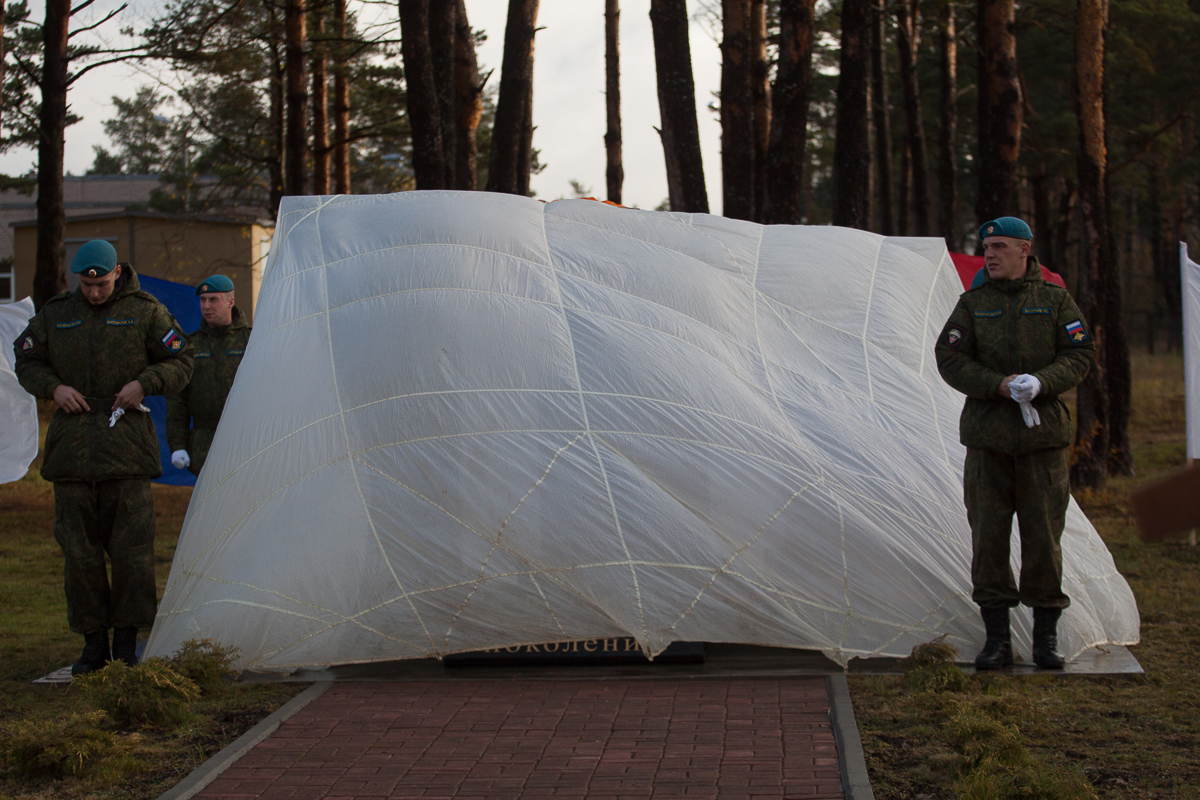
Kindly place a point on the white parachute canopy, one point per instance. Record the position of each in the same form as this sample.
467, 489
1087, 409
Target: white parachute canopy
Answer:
18, 408
470, 420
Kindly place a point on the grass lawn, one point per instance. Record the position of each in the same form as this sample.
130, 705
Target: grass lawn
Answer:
34, 640
1048, 736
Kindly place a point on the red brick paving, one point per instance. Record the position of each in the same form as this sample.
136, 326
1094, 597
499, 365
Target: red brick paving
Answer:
498, 740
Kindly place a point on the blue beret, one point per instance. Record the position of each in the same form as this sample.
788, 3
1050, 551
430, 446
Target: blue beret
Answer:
214, 283
95, 259
1005, 226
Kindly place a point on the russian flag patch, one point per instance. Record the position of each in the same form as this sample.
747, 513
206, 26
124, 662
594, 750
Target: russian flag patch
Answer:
172, 341
1077, 332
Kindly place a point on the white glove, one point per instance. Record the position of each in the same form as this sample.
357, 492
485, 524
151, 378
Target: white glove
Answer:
1030, 415
120, 412
1024, 388
180, 459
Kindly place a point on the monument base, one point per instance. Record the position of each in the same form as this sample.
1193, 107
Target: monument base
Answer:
585, 651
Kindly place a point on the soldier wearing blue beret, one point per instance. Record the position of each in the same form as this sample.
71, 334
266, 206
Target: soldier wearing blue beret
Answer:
1014, 344
220, 342
97, 352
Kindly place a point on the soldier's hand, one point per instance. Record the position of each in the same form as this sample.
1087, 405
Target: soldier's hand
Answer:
1004, 391
70, 400
130, 396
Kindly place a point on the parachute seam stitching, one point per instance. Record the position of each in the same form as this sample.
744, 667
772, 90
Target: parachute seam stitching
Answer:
346, 435
499, 534
867, 321
588, 432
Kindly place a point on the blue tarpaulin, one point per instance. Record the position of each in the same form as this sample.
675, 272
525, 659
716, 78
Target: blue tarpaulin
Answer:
181, 301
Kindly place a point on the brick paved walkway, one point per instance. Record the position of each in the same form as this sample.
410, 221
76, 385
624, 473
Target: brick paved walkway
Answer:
735, 738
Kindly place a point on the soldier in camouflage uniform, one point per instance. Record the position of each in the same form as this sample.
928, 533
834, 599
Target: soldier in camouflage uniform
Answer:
1017, 338
220, 343
95, 351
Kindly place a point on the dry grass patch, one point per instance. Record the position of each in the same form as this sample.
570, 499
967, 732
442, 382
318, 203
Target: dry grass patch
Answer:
1123, 737
34, 641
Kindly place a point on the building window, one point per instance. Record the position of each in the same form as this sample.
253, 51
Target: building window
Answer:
6, 280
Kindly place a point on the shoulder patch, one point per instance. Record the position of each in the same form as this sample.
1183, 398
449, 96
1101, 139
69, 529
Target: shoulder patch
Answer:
1037, 310
121, 322
1077, 332
75, 323
28, 344
953, 335
999, 312
173, 341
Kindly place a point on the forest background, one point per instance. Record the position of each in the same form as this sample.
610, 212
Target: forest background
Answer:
908, 117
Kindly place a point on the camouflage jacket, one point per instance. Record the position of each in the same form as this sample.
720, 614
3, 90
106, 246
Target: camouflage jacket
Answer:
97, 350
193, 412
1003, 328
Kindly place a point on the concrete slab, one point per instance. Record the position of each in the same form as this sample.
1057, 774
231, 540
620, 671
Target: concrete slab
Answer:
721, 660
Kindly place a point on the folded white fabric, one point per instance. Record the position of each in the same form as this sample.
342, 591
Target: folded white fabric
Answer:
120, 412
1030, 415
1024, 388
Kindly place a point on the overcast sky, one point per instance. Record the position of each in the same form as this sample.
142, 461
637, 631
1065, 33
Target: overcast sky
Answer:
568, 106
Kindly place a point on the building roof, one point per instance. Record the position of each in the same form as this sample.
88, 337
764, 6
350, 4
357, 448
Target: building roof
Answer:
227, 219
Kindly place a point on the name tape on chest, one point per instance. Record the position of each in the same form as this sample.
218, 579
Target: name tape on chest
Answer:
1037, 310
235, 352
120, 323
999, 312
62, 326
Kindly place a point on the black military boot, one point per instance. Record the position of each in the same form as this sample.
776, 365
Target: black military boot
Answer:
1045, 638
125, 645
95, 654
997, 650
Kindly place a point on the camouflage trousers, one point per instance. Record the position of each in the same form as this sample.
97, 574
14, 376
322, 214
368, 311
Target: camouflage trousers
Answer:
107, 517
1037, 488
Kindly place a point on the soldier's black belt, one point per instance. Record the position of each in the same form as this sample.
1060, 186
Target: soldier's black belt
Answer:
100, 405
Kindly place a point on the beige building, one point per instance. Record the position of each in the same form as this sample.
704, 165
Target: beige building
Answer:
184, 248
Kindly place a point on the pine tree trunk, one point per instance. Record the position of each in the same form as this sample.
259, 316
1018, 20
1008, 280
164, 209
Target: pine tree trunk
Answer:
948, 130
516, 100
782, 203
1117, 368
468, 94
2, 55
881, 118
677, 105
276, 167
49, 276
760, 69
852, 145
1001, 110
320, 100
615, 171
525, 154
296, 138
907, 29
1092, 434
424, 111
904, 190
341, 104
442, 24
737, 111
